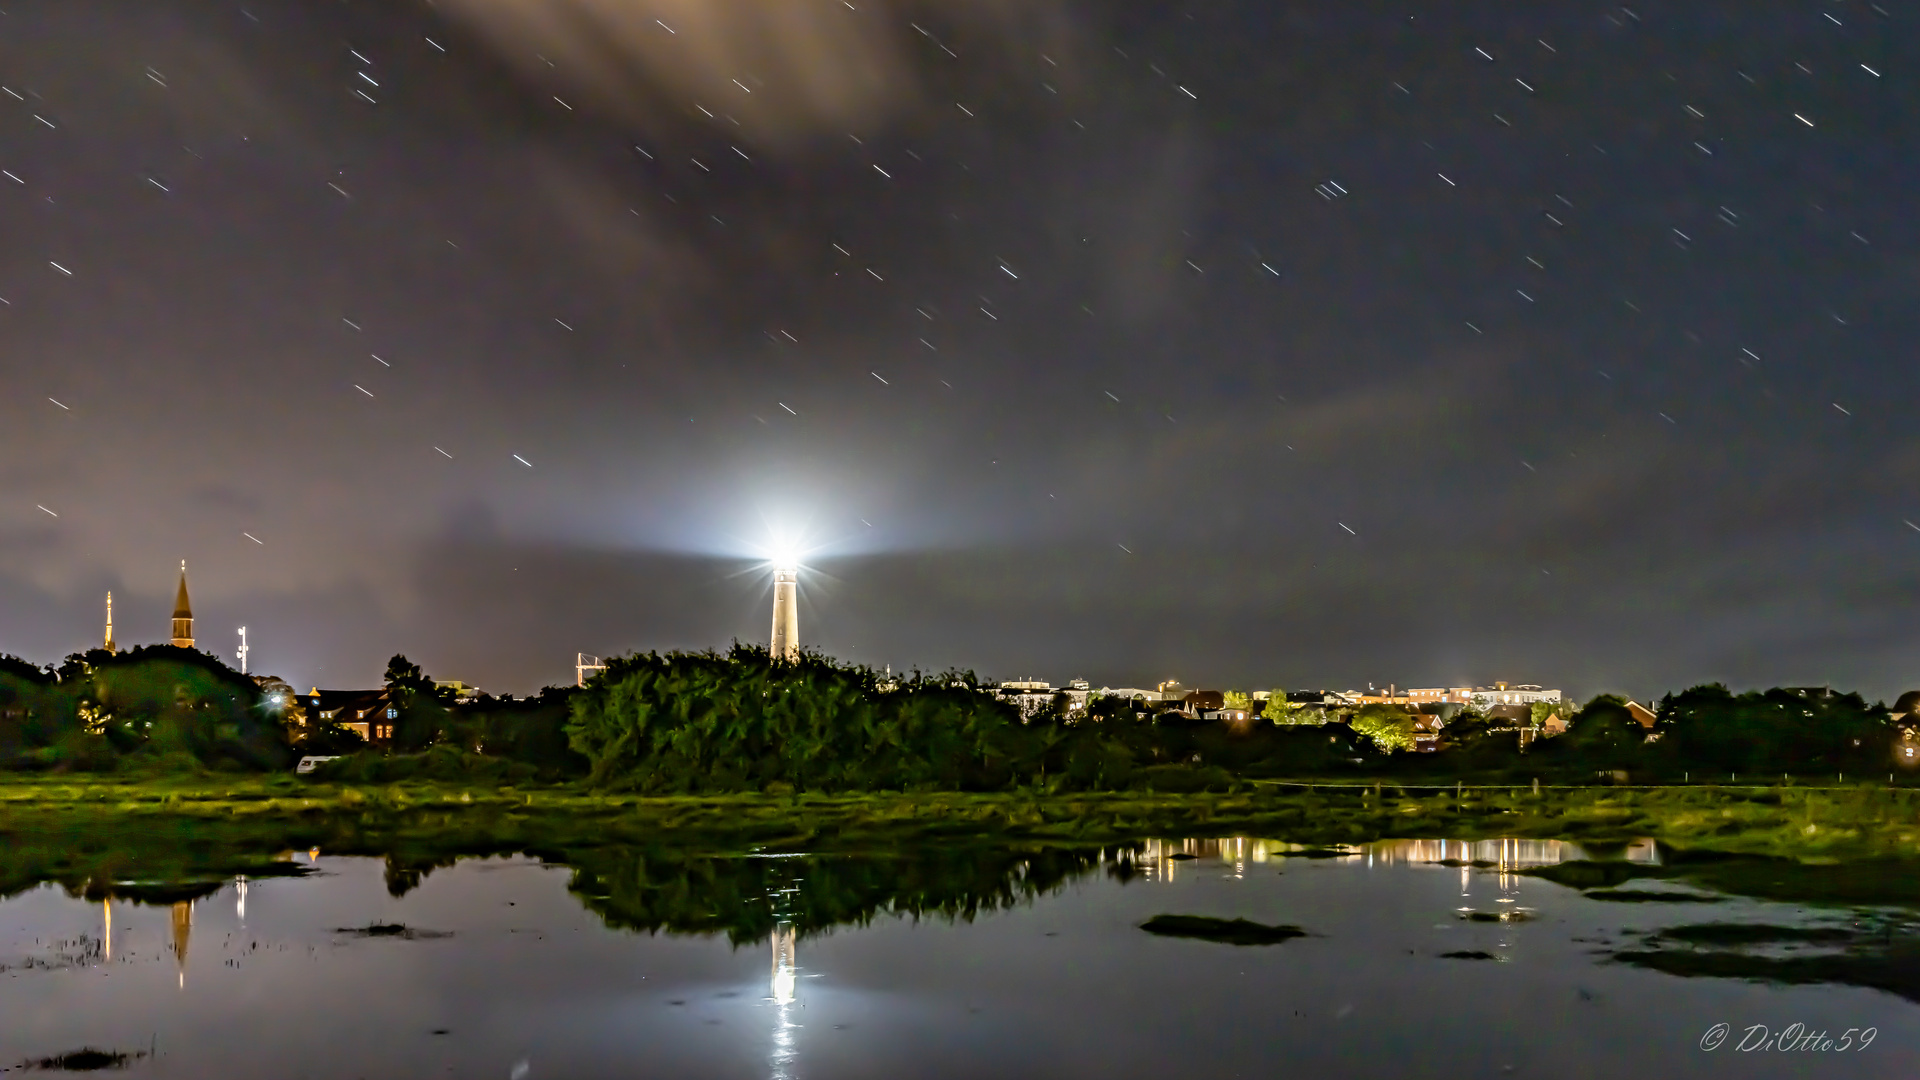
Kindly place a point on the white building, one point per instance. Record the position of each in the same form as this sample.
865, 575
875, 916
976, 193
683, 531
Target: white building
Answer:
1523, 694
1030, 695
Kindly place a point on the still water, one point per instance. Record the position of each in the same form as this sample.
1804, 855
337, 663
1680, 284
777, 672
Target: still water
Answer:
509, 968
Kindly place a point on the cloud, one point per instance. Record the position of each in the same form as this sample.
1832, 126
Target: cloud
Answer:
786, 70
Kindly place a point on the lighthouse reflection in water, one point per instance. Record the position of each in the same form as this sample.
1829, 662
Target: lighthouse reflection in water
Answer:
784, 983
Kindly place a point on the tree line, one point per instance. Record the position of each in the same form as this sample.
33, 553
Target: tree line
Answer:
742, 720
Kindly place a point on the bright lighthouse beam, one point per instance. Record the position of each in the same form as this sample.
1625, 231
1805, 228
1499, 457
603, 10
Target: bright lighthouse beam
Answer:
785, 558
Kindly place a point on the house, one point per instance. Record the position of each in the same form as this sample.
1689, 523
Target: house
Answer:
1811, 693
1202, 701
1907, 708
1509, 716
1426, 730
1643, 714
371, 713
1905, 718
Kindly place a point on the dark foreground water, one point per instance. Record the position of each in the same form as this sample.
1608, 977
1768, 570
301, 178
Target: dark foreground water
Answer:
508, 968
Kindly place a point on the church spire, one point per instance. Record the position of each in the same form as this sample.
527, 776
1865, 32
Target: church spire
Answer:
182, 613
109, 646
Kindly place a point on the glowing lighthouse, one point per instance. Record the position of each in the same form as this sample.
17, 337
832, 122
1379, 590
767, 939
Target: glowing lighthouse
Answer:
785, 643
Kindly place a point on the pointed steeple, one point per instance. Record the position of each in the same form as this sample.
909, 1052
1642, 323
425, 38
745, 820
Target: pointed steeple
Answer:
182, 613
109, 646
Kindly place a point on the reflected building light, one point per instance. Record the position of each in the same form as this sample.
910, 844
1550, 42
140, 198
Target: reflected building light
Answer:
240, 898
106, 929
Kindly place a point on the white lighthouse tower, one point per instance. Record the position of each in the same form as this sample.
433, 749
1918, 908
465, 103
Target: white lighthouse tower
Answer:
785, 643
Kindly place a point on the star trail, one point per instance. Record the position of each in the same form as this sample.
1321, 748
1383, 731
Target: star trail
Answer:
1252, 343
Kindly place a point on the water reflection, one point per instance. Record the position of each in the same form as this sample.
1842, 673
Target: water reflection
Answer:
786, 964
182, 933
781, 899
785, 981
1062, 974
1160, 859
748, 898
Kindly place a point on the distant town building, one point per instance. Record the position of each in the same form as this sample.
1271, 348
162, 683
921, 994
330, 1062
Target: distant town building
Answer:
1502, 694
1441, 695
1643, 714
1404, 699
459, 691
1128, 693
1031, 695
1028, 696
1478, 696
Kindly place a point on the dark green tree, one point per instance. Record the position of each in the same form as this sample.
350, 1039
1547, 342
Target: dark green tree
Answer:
739, 721
158, 700
34, 713
1601, 736
1779, 730
424, 716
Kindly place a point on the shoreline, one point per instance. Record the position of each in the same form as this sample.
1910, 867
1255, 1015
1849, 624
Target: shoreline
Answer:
1782, 821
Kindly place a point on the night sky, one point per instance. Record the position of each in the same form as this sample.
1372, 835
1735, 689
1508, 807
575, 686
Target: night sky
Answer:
1248, 343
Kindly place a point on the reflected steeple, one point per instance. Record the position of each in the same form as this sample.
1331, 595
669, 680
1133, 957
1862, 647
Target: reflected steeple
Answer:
182, 931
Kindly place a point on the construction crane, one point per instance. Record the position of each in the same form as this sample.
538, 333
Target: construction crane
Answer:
583, 664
